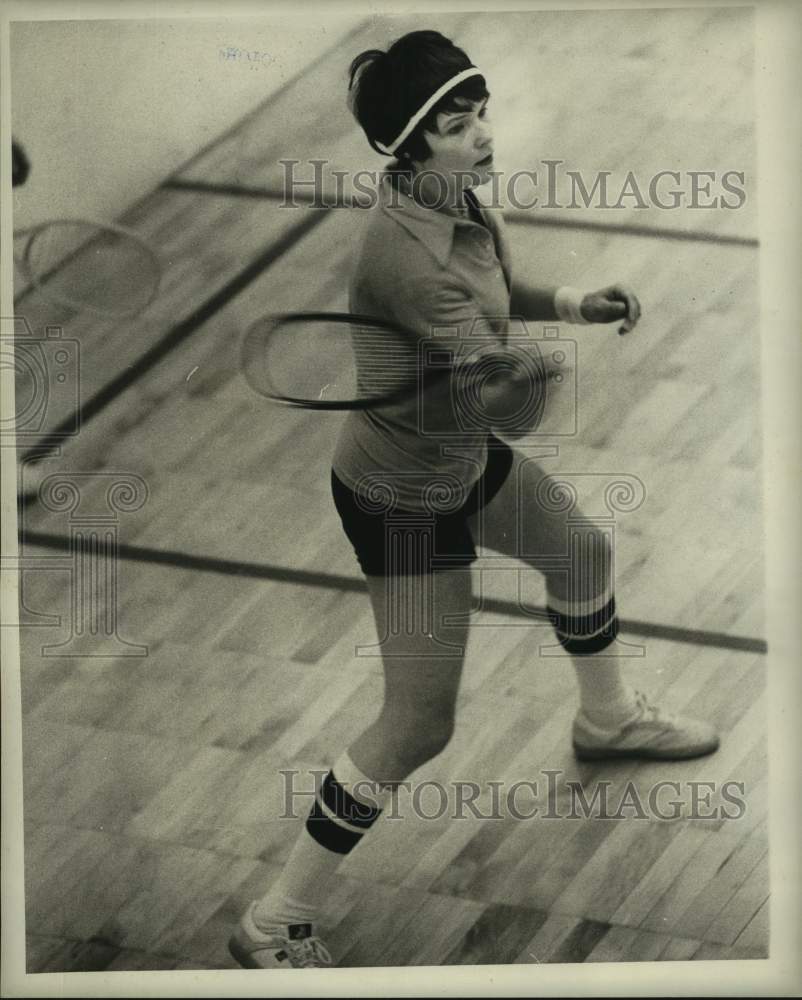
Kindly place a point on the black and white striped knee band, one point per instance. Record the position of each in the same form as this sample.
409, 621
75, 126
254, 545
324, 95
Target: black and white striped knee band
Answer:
337, 820
588, 632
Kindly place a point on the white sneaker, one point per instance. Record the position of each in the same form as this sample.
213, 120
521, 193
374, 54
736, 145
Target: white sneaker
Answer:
294, 947
651, 734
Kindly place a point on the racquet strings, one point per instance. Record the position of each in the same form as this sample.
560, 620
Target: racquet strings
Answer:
325, 361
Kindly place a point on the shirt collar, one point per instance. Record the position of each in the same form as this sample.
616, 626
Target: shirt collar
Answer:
433, 228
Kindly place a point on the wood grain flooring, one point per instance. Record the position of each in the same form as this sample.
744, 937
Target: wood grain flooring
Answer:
152, 787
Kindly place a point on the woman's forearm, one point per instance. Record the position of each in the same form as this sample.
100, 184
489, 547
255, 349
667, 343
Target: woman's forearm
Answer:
532, 303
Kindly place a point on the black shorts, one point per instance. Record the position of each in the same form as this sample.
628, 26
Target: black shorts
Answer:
406, 542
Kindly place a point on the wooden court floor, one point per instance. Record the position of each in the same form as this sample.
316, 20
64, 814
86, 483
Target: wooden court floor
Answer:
152, 798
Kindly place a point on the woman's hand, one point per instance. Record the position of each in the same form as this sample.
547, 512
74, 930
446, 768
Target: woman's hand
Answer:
610, 304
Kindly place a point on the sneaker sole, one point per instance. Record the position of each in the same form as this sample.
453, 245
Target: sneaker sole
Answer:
600, 753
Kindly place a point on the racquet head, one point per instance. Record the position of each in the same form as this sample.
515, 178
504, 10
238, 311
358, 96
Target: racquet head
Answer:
330, 361
100, 267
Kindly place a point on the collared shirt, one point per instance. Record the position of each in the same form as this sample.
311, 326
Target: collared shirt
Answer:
439, 276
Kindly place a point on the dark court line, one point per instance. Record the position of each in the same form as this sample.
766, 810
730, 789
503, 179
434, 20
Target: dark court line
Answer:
354, 585
235, 190
511, 218
176, 335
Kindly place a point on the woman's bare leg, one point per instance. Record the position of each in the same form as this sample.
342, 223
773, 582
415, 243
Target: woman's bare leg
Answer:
614, 720
422, 661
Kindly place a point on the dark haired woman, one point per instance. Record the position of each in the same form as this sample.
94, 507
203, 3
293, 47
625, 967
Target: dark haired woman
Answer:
416, 491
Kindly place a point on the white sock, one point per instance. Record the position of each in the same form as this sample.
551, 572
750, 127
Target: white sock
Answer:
605, 697
305, 880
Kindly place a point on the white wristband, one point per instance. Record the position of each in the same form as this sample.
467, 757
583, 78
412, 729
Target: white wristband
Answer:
567, 302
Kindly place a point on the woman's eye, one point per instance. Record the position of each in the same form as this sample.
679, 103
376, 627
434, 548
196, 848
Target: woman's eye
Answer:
456, 129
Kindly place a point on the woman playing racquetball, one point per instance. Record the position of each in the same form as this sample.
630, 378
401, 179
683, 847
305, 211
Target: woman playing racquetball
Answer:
418, 484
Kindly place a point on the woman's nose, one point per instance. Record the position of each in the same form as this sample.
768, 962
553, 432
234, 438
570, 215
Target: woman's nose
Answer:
484, 133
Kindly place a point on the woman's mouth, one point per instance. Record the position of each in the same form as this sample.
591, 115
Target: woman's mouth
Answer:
486, 161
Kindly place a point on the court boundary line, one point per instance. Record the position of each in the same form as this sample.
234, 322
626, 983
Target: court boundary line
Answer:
354, 585
547, 221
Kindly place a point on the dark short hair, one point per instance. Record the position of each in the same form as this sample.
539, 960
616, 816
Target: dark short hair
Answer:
387, 88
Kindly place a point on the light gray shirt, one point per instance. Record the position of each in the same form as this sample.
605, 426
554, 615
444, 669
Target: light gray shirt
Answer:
440, 277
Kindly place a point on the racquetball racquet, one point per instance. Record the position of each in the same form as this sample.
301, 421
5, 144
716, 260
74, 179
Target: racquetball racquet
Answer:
344, 361
89, 265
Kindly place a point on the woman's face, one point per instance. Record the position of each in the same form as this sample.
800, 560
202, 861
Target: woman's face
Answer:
462, 144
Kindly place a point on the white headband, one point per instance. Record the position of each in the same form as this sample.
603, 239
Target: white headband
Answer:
427, 107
